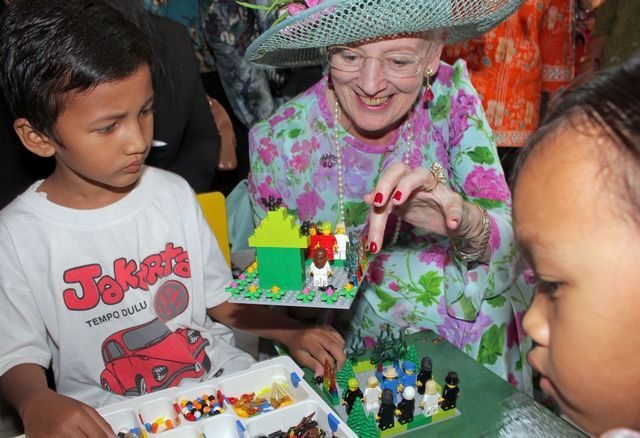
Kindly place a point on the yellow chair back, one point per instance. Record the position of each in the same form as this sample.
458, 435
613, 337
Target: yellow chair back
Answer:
214, 208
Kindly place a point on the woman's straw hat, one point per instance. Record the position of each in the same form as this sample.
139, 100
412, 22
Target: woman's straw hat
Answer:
300, 39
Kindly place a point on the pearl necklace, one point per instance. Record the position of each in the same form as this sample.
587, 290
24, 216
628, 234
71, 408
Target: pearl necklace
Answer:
405, 159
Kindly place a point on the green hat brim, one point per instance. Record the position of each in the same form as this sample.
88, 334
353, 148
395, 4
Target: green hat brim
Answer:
300, 40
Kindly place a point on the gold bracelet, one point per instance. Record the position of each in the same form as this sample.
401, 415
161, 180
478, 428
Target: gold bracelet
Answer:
485, 233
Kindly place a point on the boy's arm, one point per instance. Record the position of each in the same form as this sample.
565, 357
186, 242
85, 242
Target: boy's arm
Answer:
44, 412
311, 346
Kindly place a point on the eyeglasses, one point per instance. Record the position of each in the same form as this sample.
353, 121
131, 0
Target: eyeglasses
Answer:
398, 65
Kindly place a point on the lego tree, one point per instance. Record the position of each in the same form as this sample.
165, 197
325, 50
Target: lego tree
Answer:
329, 383
325, 375
412, 355
345, 373
333, 386
357, 348
389, 348
362, 424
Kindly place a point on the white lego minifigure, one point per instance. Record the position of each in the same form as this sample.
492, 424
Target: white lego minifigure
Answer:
430, 399
320, 268
372, 395
342, 240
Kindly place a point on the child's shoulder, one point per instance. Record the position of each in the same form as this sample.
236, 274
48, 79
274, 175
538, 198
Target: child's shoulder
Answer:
160, 179
156, 186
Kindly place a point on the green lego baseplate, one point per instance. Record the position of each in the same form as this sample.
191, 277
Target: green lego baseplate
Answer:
340, 295
362, 424
391, 348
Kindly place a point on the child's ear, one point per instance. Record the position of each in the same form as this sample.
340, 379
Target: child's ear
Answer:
32, 139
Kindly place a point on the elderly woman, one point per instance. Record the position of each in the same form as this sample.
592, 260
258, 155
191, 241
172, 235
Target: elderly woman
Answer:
394, 143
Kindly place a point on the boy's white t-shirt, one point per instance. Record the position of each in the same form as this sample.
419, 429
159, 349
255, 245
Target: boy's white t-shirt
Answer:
116, 296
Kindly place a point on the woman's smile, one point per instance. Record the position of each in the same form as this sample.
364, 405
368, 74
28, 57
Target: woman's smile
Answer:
375, 103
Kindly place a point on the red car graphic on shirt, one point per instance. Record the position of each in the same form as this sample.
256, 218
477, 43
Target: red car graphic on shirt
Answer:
150, 357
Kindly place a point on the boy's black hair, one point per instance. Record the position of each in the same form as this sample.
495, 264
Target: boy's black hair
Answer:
51, 47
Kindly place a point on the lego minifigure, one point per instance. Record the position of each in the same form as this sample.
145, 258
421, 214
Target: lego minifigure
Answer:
350, 394
327, 240
342, 240
450, 391
408, 377
390, 380
425, 374
372, 394
430, 399
407, 405
387, 410
320, 269
314, 240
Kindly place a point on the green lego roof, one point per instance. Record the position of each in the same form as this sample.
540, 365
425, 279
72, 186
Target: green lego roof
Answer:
279, 230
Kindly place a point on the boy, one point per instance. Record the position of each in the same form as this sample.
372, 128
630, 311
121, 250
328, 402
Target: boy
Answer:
108, 267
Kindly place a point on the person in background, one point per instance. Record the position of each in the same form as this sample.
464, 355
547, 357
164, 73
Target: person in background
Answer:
615, 36
576, 204
516, 65
190, 13
186, 139
107, 249
252, 93
394, 144
585, 19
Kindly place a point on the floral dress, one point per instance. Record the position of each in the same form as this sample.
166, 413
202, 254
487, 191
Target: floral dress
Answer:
417, 283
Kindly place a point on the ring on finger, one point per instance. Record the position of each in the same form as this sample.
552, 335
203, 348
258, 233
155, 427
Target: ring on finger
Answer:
439, 176
428, 189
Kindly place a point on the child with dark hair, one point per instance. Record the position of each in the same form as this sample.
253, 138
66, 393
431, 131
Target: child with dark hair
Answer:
576, 207
109, 270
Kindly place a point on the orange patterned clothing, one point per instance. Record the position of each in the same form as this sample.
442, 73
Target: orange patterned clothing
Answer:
513, 64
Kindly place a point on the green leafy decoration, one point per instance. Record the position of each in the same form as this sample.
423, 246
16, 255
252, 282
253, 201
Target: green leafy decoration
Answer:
519, 365
469, 311
489, 204
440, 110
430, 292
491, 344
456, 78
386, 300
482, 155
355, 213
295, 133
497, 301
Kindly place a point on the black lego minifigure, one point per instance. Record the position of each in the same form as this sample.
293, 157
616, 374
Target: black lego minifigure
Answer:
450, 391
387, 410
407, 405
351, 394
425, 374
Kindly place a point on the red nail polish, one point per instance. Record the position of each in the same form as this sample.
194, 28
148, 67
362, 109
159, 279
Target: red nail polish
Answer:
373, 248
397, 195
378, 198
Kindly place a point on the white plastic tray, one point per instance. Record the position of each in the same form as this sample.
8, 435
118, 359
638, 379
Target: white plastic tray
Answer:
137, 411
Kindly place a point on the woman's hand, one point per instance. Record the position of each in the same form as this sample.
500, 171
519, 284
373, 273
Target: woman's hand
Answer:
418, 198
313, 345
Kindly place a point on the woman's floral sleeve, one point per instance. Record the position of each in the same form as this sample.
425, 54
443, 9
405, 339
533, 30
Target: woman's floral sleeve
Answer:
476, 173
